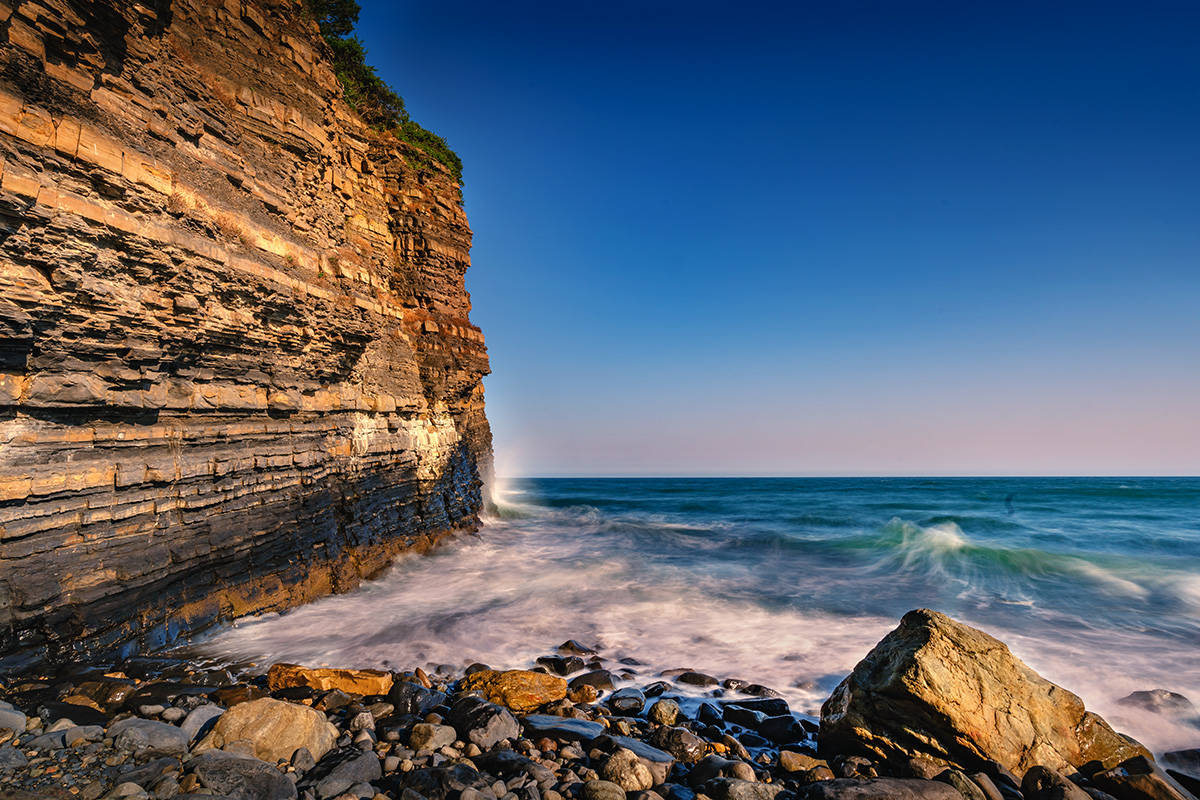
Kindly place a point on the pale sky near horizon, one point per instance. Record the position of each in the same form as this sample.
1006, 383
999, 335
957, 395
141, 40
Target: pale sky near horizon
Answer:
824, 239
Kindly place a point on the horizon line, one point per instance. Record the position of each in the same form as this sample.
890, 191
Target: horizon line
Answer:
831, 476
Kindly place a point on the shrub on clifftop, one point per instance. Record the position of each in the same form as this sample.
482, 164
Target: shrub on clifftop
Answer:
369, 95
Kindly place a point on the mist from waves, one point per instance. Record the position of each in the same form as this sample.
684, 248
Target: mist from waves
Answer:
788, 584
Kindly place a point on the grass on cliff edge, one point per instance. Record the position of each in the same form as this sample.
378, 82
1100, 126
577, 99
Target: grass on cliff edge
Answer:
371, 98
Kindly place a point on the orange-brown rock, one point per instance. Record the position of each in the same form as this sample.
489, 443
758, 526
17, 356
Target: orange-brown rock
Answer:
937, 689
350, 681
236, 366
517, 689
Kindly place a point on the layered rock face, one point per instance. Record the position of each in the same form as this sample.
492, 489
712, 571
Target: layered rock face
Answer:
236, 368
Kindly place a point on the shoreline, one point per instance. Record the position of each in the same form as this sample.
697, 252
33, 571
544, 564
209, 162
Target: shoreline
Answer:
574, 725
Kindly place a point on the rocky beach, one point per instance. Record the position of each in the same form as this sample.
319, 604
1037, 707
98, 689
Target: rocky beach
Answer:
936, 711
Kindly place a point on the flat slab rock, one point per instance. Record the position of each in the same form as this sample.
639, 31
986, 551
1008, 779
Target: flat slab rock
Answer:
537, 725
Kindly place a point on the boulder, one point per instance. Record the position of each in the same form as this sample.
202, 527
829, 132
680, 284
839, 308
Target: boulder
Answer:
200, 720
148, 736
517, 689
882, 789
657, 761
274, 730
1159, 701
664, 712
681, 743
482, 723
1042, 783
413, 698
350, 681
602, 790
241, 777
940, 689
337, 772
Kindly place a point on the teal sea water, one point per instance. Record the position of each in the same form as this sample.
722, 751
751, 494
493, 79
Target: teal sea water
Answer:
1095, 582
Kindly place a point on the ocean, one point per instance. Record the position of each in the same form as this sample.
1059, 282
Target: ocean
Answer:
788, 582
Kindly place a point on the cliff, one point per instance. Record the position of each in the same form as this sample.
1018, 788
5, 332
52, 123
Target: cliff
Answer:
236, 366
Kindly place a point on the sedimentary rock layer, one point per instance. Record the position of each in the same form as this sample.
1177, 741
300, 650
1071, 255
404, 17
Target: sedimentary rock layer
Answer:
236, 366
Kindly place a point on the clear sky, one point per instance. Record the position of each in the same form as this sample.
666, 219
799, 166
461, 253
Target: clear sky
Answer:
824, 237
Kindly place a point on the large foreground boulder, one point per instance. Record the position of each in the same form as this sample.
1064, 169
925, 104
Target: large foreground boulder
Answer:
273, 729
943, 690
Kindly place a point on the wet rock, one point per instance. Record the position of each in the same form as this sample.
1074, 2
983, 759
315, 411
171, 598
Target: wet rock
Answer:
940, 689
79, 715
664, 712
692, 678
681, 743
331, 700
745, 717
657, 688
351, 681
241, 777
274, 729
1043, 783
627, 702
790, 761
425, 736
235, 695
734, 789
1138, 778
965, 786
538, 725
303, 760
562, 665
53, 740
574, 648
626, 770
148, 736
987, 786
517, 689
602, 790
600, 679
712, 767
341, 770
1160, 701
881, 789
200, 720
782, 729
485, 724
770, 706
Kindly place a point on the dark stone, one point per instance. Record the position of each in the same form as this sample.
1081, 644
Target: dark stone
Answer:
148, 773
1138, 778
1043, 783
709, 714
627, 702
758, 690
966, 787
440, 783
656, 689
538, 725
413, 698
746, 717
486, 724
575, 648
80, 715
598, 679
241, 777
712, 767
782, 729
696, 679
768, 706
11, 757
1159, 701
341, 769
562, 665
680, 743
675, 791
734, 789
507, 763
881, 789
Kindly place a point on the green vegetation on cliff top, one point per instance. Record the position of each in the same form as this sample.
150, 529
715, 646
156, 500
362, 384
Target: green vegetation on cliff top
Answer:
377, 103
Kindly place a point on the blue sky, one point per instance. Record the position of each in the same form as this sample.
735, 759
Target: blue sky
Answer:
824, 238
